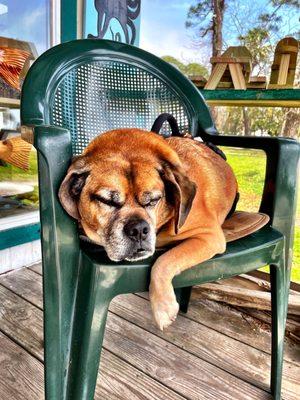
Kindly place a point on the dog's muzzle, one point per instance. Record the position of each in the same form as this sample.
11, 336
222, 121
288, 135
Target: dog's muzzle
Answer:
138, 232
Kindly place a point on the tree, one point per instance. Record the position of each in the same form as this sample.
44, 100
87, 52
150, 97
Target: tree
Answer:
172, 60
207, 17
257, 41
259, 34
187, 69
291, 125
193, 69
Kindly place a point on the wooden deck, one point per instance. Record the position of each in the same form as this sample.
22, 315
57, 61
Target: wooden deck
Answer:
213, 352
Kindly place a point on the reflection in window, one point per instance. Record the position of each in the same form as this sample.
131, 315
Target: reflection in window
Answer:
24, 34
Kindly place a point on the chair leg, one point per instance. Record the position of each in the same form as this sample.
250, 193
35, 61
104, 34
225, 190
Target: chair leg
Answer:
279, 294
94, 295
183, 296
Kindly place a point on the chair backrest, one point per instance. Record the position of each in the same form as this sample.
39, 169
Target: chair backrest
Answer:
91, 86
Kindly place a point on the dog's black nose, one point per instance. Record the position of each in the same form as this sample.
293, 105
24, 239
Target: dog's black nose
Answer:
137, 230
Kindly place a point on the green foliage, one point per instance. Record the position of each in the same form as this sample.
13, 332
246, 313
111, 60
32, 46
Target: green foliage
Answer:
267, 120
263, 120
271, 21
187, 69
193, 69
200, 17
172, 60
258, 43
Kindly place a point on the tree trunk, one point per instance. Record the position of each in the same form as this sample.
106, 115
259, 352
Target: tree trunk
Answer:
246, 121
217, 27
291, 125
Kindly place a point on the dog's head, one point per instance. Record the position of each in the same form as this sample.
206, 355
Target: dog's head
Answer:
127, 184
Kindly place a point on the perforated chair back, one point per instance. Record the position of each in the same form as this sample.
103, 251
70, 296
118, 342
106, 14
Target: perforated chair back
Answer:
99, 85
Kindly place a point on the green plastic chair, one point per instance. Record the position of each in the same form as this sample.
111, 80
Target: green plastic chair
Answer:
72, 93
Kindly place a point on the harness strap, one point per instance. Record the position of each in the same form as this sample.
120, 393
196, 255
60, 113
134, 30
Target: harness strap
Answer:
156, 127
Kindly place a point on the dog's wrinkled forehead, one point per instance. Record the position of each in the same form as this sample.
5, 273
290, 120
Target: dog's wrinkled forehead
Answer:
140, 180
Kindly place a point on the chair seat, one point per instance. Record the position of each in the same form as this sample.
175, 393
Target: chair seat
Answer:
246, 254
252, 243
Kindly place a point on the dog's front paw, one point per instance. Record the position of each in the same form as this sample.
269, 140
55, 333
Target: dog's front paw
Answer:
164, 308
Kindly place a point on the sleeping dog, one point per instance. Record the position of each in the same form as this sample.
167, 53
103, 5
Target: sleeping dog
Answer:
133, 190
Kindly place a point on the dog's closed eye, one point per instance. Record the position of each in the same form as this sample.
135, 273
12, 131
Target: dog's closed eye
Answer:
109, 197
150, 199
109, 202
152, 202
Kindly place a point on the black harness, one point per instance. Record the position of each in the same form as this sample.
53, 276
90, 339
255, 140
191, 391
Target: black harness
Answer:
165, 117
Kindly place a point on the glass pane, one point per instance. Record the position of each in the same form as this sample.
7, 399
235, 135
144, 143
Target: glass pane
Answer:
24, 34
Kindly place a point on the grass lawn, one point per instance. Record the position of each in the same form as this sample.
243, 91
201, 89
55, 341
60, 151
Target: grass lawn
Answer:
249, 167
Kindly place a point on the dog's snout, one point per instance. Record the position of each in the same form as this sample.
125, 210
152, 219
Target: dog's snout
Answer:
137, 230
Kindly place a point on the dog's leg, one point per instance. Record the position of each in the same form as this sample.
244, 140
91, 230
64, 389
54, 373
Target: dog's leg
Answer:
187, 254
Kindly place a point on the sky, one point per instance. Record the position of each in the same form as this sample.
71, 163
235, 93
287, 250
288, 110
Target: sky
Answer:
25, 20
163, 30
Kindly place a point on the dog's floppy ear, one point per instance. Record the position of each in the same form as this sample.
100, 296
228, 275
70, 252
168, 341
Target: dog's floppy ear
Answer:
72, 185
180, 192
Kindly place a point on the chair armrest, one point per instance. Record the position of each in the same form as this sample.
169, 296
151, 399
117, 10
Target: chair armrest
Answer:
60, 248
54, 149
280, 187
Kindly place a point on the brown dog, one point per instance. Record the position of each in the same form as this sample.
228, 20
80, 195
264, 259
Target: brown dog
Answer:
133, 190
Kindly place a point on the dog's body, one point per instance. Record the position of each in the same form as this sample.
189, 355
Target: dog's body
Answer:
132, 190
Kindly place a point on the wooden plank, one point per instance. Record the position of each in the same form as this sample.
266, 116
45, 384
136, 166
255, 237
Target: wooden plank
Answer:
119, 380
236, 324
26, 284
230, 60
22, 322
292, 327
256, 85
37, 268
237, 76
11, 103
21, 375
215, 76
166, 363
256, 79
240, 360
283, 69
243, 297
264, 275
177, 369
254, 281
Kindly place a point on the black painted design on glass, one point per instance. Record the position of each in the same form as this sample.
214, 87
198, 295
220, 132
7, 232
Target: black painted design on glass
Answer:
125, 11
